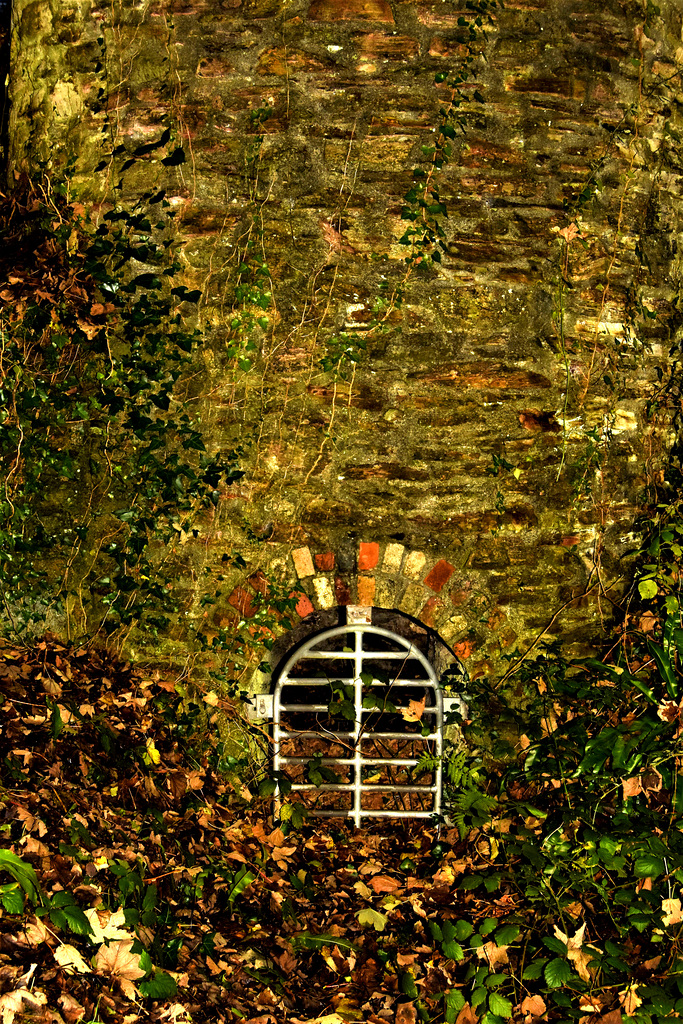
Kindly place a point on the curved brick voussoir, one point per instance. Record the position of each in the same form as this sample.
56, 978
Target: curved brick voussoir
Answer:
384, 575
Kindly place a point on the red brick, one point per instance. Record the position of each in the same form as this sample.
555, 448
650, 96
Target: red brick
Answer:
366, 591
439, 575
464, 649
368, 555
346, 10
342, 594
325, 562
432, 612
304, 606
259, 581
241, 599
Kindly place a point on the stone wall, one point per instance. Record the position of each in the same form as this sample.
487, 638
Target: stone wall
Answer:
494, 430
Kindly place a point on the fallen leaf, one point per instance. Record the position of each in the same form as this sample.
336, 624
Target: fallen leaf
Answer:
71, 1008
415, 710
362, 890
578, 956
106, 925
118, 961
569, 233
71, 960
493, 954
466, 1015
669, 711
382, 883
12, 1003
406, 1013
534, 1006
630, 1000
373, 917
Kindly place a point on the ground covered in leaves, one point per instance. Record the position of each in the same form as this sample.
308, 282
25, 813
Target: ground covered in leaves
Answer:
141, 881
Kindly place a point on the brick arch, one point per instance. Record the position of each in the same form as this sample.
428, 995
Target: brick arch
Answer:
385, 575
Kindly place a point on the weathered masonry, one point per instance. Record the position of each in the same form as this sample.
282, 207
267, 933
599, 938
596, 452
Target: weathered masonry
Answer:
479, 467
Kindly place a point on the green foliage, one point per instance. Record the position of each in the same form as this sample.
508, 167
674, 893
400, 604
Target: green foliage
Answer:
104, 462
25, 881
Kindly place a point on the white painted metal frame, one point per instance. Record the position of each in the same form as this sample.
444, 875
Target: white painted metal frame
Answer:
356, 732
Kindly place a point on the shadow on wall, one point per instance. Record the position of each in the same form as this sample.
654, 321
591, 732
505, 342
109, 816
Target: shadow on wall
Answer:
5, 35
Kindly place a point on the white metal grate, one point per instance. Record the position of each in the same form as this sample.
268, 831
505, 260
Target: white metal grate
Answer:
368, 676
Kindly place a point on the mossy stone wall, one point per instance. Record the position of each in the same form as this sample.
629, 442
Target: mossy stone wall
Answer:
524, 345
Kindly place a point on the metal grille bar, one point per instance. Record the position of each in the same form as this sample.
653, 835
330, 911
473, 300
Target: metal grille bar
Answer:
367, 744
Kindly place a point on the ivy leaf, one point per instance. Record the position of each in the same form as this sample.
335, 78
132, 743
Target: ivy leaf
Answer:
175, 158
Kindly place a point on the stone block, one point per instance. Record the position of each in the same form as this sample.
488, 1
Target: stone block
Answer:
439, 576
366, 591
259, 582
385, 593
433, 613
350, 10
241, 599
325, 562
368, 555
303, 563
393, 556
323, 592
414, 564
346, 559
342, 592
413, 599
453, 629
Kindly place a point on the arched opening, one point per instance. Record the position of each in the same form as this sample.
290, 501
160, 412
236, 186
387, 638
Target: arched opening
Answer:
358, 724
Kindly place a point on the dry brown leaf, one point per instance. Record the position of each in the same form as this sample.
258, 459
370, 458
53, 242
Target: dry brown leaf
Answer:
569, 233
672, 913
71, 960
35, 932
578, 956
631, 787
533, 1006
117, 960
405, 959
71, 1008
630, 1000
106, 925
406, 1013
466, 1015
493, 954
669, 711
415, 710
12, 1003
382, 883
